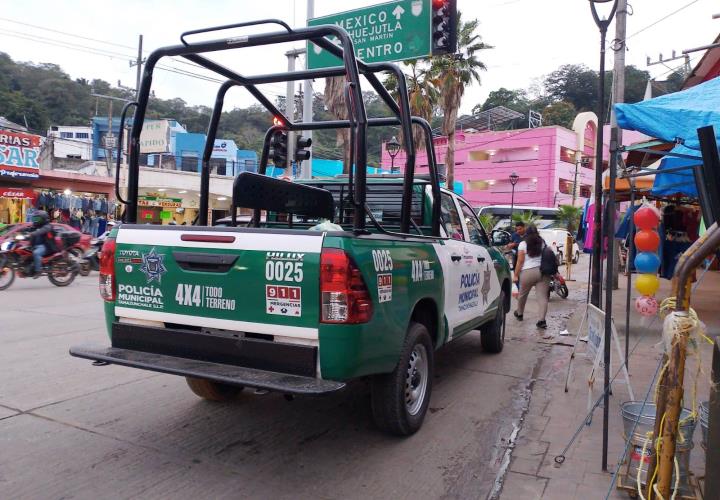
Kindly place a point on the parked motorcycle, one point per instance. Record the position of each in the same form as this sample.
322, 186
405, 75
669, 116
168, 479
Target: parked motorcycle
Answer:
16, 259
557, 285
91, 259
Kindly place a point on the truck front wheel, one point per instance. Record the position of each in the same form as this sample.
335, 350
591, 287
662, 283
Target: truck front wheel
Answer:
213, 391
400, 399
492, 334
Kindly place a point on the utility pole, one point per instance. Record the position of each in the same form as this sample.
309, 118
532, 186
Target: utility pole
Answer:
290, 106
306, 172
618, 95
138, 62
109, 137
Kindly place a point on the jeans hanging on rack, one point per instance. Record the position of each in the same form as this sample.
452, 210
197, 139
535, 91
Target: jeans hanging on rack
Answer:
94, 227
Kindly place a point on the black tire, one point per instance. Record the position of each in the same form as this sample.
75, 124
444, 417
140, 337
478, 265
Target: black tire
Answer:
492, 334
560, 258
563, 291
7, 274
576, 258
213, 391
68, 276
82, 263
396, 406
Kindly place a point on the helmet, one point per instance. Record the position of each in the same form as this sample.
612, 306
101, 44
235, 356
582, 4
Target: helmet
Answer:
40, 218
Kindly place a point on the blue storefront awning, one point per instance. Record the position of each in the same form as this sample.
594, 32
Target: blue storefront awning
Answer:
675, 116
677, 182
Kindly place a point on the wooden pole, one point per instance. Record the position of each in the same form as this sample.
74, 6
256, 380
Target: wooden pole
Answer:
675, 373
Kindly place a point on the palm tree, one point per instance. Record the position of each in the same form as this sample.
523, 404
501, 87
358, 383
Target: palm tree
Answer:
335, 102
488, 221
422, 94
527, 218
569, 216
453, 72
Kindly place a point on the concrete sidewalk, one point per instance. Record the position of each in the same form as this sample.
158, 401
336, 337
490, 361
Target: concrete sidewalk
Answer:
554, 415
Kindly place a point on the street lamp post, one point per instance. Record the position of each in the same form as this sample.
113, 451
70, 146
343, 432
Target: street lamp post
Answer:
602, 24
514, 178
393, 148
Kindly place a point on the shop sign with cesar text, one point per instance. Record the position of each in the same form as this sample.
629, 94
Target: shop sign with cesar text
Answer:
19, 154
17, 193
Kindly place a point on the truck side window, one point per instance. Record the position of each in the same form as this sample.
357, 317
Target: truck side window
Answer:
476, 232
451, 218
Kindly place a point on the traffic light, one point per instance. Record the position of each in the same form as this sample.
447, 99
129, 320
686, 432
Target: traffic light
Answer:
444, 27
278, 148
301, 145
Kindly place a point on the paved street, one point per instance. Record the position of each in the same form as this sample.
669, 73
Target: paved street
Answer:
71, 430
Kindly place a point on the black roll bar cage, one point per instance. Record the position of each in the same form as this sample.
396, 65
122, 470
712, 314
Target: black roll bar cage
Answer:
357, 121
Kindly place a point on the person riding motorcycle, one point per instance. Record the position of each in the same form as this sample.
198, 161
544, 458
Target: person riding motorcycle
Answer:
42, 239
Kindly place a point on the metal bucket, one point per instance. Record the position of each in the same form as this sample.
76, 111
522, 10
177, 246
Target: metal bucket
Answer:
637, 461
704, 416
631, 412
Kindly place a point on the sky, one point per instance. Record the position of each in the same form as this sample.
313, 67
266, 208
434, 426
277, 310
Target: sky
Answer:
531, 38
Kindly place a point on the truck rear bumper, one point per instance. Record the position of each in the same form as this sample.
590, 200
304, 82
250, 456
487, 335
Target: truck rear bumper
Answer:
217, 372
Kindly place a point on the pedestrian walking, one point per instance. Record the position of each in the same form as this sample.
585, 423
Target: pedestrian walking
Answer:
517, 237
528, 274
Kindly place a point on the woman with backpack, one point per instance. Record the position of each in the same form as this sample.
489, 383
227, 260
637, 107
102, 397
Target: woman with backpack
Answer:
530, 272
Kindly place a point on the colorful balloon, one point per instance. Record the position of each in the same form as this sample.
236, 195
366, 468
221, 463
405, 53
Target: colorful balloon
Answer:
647, 262
646, 218
647, 284
646, 305
647, 241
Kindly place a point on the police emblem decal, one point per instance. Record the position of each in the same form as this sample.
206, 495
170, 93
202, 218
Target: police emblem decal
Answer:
153, 266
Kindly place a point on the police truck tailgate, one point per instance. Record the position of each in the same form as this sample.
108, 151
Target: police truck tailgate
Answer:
256, 281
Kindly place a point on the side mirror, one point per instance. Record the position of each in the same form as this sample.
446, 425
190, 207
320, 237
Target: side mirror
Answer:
501, 238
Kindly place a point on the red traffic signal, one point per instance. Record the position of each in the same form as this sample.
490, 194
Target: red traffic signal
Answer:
444, 27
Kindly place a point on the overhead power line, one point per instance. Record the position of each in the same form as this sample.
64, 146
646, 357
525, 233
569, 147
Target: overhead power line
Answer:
65, 33
661, 19
106, 53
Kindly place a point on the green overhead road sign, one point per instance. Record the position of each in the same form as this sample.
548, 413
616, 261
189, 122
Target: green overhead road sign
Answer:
392, 31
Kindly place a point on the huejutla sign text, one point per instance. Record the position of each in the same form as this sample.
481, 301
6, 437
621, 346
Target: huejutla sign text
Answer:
392, 31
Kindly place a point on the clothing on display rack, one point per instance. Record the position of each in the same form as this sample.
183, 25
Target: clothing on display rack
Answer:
85, 212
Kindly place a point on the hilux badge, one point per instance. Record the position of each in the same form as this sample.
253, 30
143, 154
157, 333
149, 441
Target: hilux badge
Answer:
153, 266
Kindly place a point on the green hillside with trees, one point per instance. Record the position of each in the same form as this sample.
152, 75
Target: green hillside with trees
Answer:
42, 94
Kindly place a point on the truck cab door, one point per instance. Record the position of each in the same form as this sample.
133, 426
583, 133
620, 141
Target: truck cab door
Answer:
477, 238
461, 269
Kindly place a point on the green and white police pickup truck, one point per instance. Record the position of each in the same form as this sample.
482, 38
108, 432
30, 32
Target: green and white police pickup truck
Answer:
331, 280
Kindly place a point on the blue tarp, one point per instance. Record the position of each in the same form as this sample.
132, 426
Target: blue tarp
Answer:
676, 115
681, 182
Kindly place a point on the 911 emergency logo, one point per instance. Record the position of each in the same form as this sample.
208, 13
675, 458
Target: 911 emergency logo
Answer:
152, 266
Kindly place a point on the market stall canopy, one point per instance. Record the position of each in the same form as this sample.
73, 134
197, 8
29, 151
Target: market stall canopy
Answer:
642, 186
677, 116
677, 183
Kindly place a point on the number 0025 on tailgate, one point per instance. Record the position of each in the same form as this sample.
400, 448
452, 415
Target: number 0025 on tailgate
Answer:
283, 300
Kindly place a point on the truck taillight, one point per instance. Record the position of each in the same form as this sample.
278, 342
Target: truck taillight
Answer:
344, 296
107, 270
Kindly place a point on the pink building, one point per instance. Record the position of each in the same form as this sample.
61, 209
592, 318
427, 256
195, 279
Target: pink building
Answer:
545, 159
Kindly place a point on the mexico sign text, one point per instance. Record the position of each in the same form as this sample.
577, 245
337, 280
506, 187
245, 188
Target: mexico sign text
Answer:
392, 31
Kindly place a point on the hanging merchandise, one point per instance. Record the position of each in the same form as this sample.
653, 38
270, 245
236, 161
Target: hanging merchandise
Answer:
646, 218
646, 305
647, 240
647, 284
647, 262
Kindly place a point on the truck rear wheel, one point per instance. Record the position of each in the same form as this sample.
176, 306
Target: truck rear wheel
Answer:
213, 391
492, 334
400, 399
